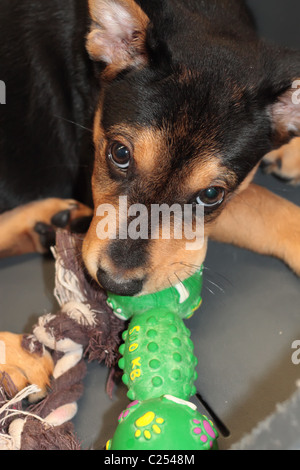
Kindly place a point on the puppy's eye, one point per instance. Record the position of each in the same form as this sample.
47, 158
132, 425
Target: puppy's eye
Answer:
211, 197
120, 156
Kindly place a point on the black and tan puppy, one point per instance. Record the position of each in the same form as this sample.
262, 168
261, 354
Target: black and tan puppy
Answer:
184, 100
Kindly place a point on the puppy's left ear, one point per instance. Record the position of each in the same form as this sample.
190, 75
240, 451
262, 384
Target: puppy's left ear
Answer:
285, 91
118, 35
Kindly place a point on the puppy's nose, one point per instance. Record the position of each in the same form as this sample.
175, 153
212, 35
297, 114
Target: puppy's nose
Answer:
119, 286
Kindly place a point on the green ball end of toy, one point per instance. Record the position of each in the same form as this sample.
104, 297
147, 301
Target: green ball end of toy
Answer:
165, 423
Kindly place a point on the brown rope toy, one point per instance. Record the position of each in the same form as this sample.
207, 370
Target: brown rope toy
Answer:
42, 378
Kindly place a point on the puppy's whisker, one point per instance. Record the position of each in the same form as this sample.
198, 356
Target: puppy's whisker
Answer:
215, 273
172, 286
75, 123
180, 281
216, 285
192, 268
196, 266
67, 165
209, 290
189, 273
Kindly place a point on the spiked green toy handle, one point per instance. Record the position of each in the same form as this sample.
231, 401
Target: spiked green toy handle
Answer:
158, 357
159, 370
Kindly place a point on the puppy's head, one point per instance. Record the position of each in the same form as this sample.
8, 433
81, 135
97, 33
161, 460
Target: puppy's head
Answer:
181, 122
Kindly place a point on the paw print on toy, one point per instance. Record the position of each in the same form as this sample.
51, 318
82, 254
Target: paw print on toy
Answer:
151, 423
129, 408
205, 430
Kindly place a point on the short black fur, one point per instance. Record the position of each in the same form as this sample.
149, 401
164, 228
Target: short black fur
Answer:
49, 81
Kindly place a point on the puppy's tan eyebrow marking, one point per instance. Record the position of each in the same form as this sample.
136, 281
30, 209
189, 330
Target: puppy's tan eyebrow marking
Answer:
148, 145
209, 172
150, 150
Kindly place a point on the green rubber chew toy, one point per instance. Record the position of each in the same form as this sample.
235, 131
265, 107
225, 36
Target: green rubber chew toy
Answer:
158, 357
159, 370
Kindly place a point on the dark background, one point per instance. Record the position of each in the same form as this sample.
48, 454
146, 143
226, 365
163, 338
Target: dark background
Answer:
278, 20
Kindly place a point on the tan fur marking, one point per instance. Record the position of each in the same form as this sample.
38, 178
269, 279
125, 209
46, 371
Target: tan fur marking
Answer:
171, 262
94, 248
25, 368
248, 180
149, 146
207, 173
260, 221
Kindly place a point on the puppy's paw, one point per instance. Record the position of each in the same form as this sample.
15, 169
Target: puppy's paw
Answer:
22, 367
284, 162
51, 214
75, 216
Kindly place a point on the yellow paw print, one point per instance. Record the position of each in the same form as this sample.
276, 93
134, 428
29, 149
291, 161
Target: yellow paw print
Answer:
149, 419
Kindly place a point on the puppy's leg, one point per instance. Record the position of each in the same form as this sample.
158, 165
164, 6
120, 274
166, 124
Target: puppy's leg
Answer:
31, 228
24, 368
260, 221
285, 162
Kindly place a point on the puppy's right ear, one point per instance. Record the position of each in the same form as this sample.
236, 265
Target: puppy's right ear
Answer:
118, 35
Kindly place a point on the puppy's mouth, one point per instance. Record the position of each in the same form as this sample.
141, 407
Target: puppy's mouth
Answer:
128, 272
119, 285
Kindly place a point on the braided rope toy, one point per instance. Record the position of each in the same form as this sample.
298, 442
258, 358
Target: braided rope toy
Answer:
159, 370
42, 379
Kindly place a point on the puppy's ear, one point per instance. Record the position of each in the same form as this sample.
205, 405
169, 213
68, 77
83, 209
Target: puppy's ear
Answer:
286, 114
118, 34
285, 107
